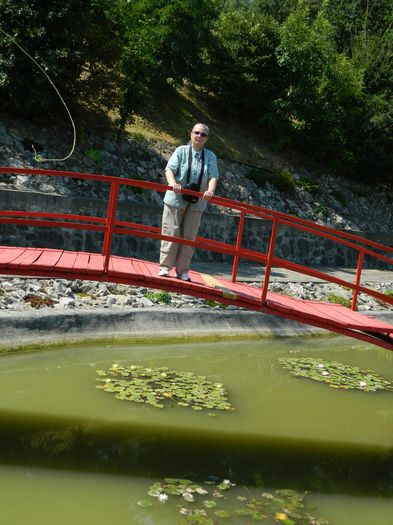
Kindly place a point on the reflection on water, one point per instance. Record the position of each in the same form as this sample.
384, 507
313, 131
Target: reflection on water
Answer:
284, 430
37, 496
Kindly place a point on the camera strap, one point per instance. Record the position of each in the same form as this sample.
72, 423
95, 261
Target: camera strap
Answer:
190, 165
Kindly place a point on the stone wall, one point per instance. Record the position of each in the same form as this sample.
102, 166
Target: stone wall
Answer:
338, 203
291, 244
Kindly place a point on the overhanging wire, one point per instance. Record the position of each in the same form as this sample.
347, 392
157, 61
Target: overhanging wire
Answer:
37, 157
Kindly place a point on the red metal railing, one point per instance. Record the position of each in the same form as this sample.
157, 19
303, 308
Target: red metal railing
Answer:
110, 226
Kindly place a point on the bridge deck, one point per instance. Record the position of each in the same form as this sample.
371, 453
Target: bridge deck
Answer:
51, 263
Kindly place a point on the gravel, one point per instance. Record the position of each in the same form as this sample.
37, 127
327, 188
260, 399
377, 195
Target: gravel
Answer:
17, 294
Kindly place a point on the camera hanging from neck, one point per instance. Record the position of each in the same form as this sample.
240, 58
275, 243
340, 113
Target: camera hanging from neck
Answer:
194, 186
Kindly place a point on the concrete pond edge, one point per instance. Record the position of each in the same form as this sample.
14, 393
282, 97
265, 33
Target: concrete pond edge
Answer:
29, 331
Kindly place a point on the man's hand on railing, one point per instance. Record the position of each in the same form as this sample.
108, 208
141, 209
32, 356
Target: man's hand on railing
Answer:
208, 195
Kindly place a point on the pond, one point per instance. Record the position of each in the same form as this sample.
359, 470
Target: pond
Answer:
285, 432
46, 497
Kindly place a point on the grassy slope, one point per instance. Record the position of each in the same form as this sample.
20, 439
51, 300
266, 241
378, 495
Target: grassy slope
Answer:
171, 115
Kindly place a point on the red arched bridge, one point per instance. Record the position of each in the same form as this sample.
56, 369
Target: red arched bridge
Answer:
104, 266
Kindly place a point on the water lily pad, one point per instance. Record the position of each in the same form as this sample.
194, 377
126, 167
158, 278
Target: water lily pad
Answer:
145, 503
160, 387
336, 375
194, 501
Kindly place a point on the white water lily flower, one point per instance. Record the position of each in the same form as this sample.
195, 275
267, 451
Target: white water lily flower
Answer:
188, 496
163, 498
108, 380
320, 365
115, 365
226, 482
363, 383
200, 490
324, 373
184, 511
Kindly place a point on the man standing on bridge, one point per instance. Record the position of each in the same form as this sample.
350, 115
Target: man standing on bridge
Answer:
193, 167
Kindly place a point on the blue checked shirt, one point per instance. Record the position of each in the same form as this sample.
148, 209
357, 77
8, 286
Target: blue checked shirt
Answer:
178, 163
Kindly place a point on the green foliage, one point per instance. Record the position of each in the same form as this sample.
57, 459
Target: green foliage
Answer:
161, 297
336, 375
309, 74
67, 39
163, 40
354, 17
338, 299
94, 154
389, 293
214, 304
138, 137
282, 180
243, 70
309, 185
321, 85
156, 386
321, 208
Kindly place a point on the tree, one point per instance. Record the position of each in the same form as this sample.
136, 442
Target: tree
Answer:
163, 40
323, 88
243, 69
73, 40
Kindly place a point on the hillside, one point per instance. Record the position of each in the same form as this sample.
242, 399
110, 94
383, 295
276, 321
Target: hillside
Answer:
171, 113
250, 169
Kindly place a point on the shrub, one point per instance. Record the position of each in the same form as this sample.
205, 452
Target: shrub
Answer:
161, 297
214, 304
285, 181
138, 136
308, 185
338, 299
282, 180
94, 154
321, 208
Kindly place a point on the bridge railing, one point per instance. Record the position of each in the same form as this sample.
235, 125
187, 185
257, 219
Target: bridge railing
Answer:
111, 225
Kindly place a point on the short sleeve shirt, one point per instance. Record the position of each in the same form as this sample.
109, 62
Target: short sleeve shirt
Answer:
178, 163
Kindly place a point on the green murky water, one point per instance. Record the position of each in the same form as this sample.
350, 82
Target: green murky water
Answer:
268, 401
42, 497
285, 432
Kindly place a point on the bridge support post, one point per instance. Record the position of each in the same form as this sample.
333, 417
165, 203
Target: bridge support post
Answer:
357, 280
238, 245
110, 220
269, 260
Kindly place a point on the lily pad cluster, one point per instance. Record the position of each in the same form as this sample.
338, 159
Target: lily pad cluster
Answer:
336, 375
159, 387
212, 502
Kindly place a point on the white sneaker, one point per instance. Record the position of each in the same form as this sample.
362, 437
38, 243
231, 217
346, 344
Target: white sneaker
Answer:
164, 272
184, 276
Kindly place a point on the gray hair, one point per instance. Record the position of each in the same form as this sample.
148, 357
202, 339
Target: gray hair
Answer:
206, 128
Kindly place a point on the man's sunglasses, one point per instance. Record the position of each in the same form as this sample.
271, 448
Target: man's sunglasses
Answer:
200, 133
